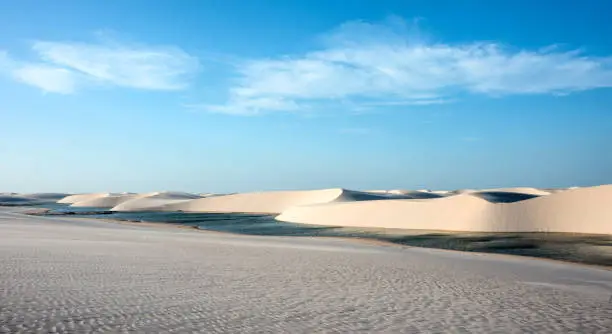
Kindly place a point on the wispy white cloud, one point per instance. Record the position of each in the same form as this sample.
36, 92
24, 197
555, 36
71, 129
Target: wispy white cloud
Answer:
158, 68
385, 65
48, 78
62, 67
253, 106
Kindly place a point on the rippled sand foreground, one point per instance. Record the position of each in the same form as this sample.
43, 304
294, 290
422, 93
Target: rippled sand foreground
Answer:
84, 275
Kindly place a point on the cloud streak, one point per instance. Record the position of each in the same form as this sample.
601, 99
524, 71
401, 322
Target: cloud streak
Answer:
48, 78
383, 65
62, 67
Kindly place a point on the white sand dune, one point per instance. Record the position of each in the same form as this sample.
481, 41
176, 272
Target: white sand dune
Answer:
582, 210
579, 210
522, 209
127, 201
151, 201
274, 201
104, 201
501, 195
81, 197
449, 213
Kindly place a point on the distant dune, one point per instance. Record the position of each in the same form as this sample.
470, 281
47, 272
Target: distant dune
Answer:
521, 190
81, 197
445, 213
13, 199
29, 199
46, 196
127, 201
107, 200
413, 194
502, 196
522, 209
261, 202
581, 210
274, 201
152, 201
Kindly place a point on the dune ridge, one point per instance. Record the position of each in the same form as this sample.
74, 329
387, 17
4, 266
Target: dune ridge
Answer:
580, 210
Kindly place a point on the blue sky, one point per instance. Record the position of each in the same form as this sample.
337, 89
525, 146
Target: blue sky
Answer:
223, 96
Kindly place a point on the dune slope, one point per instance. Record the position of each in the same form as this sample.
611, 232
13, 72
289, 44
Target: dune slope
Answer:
81, 197
449, 213
153, 200
274, 201
104, 201
582, 210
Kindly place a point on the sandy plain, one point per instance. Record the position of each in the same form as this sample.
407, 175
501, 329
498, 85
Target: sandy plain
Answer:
80, 275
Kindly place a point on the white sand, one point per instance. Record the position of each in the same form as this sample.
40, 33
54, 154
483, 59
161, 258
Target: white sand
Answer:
582, 210
152, 201
85, 275
273, 201
128, 201
105, 201
82, 197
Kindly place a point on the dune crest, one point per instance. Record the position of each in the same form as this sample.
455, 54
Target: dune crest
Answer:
580, 210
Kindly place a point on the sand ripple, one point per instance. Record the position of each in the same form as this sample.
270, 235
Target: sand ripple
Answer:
94, 276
